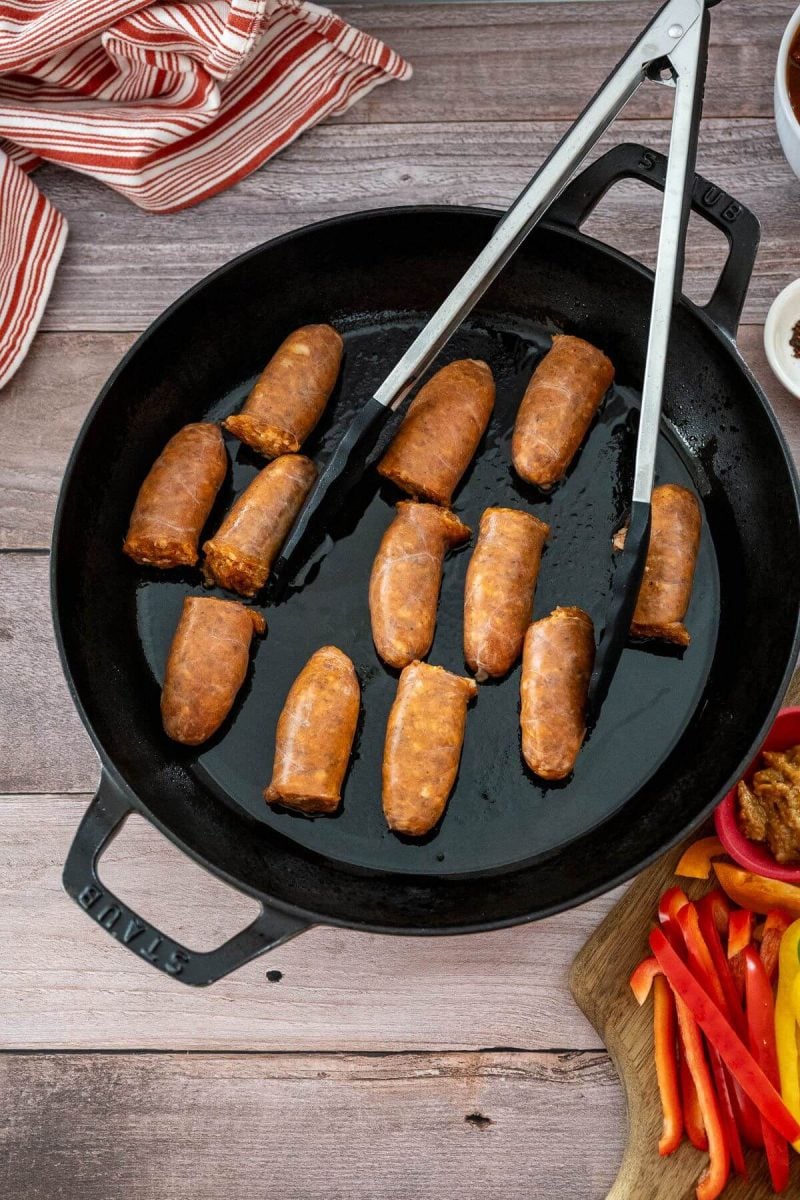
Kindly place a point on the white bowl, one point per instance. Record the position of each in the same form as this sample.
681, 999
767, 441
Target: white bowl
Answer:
787, 122
781, 320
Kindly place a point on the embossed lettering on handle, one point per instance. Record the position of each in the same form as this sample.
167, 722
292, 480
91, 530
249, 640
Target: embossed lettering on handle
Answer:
101, 823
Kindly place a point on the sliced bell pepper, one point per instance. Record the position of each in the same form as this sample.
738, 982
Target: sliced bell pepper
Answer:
702, 964
761, 1028
724, 1038
664, 1028
775, 926
720, 907
695, 862
712, 1181
748, 1121
757, 893
785, 1022
642, 978
670, 903
692, 1116
740, 931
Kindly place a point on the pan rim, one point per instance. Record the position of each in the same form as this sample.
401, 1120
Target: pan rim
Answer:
308, 915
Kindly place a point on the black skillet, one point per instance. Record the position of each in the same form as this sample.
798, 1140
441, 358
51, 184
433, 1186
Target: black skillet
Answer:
677, 728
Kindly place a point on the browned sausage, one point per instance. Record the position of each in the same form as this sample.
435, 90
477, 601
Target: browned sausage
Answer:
556, 668
315, 734
498, 594
406, 578
206, 666
440, 432
176, 497
669, 570
291, 392
424, 736
240, 554
557, 409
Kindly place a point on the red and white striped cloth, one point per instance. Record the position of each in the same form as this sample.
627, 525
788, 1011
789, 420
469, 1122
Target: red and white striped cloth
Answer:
167, 103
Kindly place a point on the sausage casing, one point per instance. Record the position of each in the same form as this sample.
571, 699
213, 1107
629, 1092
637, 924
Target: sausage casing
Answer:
440, 432
290, 394
498, 594
556, 668
176, 497
206, 666
315, 734
557, 409
240, 554
406, 578
424, 737
666, 587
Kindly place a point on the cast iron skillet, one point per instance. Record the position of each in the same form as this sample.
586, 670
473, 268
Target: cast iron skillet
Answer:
675, 730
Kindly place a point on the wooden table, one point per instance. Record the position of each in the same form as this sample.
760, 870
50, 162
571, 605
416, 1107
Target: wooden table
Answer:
343, 1065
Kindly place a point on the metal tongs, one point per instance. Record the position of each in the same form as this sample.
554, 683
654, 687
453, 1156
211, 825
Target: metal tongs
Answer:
672, 50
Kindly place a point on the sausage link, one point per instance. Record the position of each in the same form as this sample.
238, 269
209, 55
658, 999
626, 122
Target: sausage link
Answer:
240, 554
206, 666
557, 409
440, 432
315, 734
666, 587
290, 394
176, 497
498, 594
424, 737
406, 578
556, 668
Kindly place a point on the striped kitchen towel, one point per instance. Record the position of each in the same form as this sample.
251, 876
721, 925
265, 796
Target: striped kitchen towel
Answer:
167, 103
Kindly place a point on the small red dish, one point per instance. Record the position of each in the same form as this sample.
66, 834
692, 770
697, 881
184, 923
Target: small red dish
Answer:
754, 856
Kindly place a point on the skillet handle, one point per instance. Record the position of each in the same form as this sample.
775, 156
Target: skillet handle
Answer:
101, 823
739, 224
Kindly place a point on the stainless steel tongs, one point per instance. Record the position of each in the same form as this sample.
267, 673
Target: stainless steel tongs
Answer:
672, 50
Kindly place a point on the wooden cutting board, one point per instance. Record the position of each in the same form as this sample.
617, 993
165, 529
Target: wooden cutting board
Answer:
599, 983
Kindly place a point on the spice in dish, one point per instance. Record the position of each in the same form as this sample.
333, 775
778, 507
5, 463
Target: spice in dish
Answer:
794, 340
769, 807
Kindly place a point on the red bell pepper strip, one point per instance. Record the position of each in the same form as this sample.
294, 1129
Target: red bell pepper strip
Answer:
642, 978
701, 963
664, 1027
712, 1181
711, 937
723, 1037
761, 1026
720, 906
775, 926
670, 904
740, 930
692, 1116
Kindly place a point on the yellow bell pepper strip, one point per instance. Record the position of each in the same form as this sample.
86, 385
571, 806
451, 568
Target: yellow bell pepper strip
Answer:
664, 1027
740, 931
777, 922
761, 1030
723, 1037
785, 1022
757, 893
695, 862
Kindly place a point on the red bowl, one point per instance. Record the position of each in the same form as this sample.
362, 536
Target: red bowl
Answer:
754, 856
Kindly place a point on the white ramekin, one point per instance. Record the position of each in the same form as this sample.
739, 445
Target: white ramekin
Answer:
787, 123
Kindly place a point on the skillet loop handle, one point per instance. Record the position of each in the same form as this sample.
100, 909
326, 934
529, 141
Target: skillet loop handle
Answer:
739, 224
101, 823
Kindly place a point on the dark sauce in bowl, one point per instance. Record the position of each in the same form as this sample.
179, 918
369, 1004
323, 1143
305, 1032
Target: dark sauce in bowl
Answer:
793, 74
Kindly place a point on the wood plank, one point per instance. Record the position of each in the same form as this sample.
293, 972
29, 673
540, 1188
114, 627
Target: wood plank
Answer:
506, 61
121, 267
69, 985
207, 1127
44, 406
